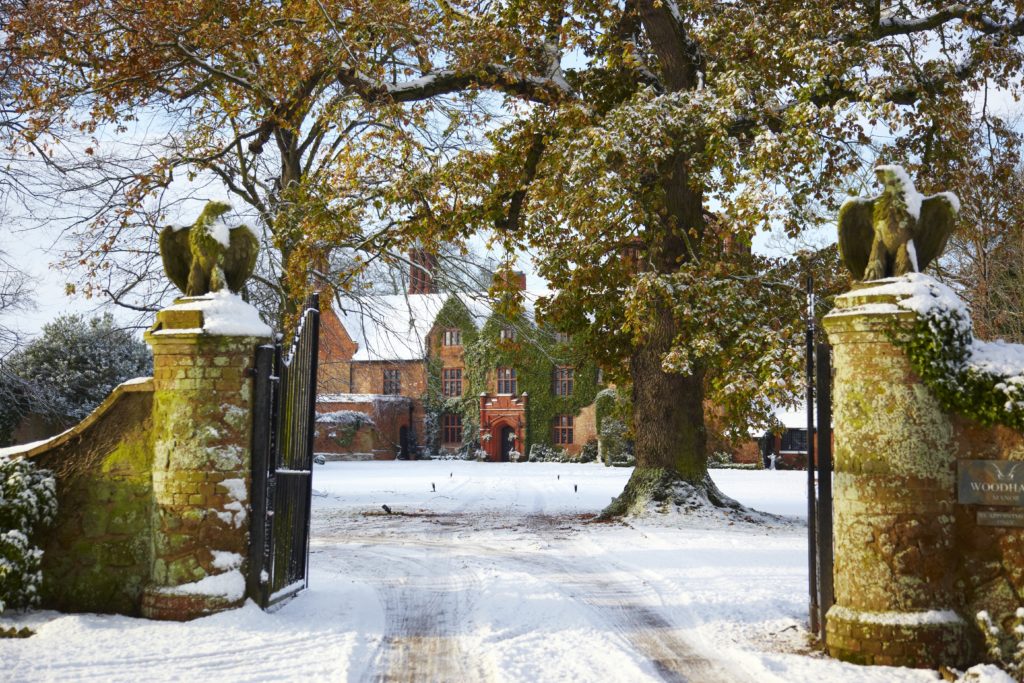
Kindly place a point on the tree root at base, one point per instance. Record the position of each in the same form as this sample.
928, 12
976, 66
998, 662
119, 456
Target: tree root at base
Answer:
655, 489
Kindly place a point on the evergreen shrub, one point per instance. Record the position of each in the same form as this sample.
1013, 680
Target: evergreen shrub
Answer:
28, 500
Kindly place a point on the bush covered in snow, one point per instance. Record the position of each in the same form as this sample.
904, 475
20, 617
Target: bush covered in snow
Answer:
68, 371
614, 446
1006, 650
589, 451
541, 452
613, 410
28, 500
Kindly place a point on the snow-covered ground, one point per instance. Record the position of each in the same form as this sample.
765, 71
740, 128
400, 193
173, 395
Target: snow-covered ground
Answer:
495, 576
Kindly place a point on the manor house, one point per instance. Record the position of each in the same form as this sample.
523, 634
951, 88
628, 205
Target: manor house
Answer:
419, 373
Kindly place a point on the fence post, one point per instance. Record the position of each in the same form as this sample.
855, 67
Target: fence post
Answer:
812, 537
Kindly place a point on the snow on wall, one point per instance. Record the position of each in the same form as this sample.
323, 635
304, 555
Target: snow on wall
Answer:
923, 294
230, 585
935, 617
345, 418
361, 398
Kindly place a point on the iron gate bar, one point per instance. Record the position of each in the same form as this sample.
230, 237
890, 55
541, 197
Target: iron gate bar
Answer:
284, 417
262, 448
826, 588
314, 357
812, 559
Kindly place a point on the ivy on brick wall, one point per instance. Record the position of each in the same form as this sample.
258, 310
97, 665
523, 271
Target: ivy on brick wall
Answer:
534, 354
940, 348
453, 315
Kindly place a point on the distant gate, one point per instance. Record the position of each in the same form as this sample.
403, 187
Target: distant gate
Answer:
284, 405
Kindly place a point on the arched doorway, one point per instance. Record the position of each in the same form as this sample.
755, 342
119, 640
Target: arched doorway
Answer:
508, 442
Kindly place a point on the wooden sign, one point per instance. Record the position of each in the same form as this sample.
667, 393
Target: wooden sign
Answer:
990, 482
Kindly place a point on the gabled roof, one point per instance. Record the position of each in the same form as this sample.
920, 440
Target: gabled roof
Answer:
394, 327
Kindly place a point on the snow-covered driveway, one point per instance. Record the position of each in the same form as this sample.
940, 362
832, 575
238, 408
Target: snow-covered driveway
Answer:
497, 575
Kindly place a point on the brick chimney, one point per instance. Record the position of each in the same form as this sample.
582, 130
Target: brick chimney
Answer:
516, 278
421, 272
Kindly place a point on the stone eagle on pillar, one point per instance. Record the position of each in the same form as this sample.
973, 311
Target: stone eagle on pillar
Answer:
897, 232
209, 255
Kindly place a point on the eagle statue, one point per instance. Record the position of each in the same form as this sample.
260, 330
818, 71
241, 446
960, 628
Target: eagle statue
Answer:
897, 232
209, 255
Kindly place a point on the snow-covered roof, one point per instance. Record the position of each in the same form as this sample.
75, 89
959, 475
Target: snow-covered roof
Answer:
390, 327
794, 418
394, 327
358, 398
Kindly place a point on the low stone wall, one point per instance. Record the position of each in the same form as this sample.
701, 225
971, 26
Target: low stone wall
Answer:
376, 439
153, 486
97, 554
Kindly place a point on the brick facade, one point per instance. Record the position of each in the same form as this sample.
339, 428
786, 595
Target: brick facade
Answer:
342, 373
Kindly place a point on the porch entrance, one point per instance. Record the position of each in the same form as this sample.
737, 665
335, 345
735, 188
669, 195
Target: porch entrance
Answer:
508, 442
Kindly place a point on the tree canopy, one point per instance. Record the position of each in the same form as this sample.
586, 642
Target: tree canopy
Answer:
634, 147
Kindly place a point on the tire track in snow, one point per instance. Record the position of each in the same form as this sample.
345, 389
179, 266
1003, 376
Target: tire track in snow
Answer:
425, 603
426, 600
625, 607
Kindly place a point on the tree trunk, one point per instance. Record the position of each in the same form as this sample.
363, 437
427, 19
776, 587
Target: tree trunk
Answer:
670, 437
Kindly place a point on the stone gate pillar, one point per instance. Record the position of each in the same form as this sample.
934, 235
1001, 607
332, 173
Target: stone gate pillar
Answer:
202, 422
894, 497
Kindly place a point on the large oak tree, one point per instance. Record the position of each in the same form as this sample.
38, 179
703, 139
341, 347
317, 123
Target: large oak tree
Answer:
634, 146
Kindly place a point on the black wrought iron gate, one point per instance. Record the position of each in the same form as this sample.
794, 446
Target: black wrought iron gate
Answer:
284, 404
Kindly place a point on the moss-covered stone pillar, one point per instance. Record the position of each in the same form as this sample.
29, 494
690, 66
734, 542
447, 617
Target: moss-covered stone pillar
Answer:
894, 497
201, 447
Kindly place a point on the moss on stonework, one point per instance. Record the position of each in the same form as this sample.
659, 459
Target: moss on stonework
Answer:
898, 429
181, 444
97, 554
893, 499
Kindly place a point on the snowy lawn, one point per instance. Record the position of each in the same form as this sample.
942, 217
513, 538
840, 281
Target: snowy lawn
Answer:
495, 576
